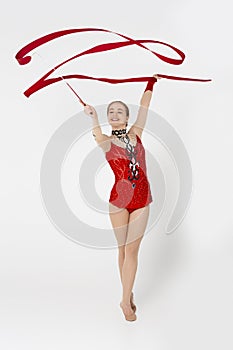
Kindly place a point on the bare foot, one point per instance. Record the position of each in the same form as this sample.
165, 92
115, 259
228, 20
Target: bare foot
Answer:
128, 312
133, 306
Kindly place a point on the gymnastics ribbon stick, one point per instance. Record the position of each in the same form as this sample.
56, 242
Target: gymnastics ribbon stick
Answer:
70, 87
22, 58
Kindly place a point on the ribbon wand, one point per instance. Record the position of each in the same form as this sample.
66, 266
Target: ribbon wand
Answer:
62, 78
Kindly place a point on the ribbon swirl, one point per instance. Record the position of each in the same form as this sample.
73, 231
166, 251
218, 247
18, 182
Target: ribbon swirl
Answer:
23, 58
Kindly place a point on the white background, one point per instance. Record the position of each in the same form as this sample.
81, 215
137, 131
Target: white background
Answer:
56, 294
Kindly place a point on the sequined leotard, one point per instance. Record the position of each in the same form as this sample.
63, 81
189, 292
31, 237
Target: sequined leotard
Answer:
131, 189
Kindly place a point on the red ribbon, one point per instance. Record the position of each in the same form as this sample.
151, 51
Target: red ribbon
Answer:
23, 58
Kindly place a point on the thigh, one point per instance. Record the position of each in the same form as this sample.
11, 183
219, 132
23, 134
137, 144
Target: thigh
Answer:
119, 218
137, 224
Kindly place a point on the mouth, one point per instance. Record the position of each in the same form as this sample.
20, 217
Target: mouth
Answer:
114, 119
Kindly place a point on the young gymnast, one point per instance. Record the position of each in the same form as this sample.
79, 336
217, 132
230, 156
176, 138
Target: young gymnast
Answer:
130, 195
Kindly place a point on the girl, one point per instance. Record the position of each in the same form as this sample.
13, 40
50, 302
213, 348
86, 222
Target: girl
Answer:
130, 196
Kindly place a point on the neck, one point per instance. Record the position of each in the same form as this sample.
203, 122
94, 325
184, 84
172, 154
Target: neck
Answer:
119, 128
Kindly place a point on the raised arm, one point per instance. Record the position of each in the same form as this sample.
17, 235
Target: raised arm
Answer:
140, 122
96, 129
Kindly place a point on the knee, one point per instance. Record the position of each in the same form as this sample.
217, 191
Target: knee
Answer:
121, 250
131, 250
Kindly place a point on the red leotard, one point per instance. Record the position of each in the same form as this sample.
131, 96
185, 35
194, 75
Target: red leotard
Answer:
131, 189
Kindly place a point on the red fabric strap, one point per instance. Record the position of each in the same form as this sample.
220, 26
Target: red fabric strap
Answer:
150, 84
23, 58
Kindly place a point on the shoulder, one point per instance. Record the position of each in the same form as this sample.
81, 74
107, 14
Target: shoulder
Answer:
107, 137
103, 138
104, 142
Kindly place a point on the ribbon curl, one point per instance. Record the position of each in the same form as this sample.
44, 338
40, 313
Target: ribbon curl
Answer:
23, 58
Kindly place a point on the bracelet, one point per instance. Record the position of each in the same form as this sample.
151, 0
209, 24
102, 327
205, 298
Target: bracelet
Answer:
150, 84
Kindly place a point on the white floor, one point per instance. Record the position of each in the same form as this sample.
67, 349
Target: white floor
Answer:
56, 294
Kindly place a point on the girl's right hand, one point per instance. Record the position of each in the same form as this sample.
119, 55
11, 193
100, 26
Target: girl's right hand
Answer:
89, 110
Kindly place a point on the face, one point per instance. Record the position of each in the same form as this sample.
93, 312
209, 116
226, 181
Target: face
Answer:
117, 117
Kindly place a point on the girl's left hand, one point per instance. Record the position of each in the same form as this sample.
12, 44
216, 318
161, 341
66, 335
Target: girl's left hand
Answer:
156, 76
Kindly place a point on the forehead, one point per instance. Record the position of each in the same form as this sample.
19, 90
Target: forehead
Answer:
116, 105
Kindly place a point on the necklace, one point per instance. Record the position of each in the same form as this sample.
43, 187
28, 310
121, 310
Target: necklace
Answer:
118, 133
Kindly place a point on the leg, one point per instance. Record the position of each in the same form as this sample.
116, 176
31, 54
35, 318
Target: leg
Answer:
119, 219
136, 228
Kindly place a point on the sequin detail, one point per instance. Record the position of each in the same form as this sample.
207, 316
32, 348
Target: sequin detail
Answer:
126, 169
134, 165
